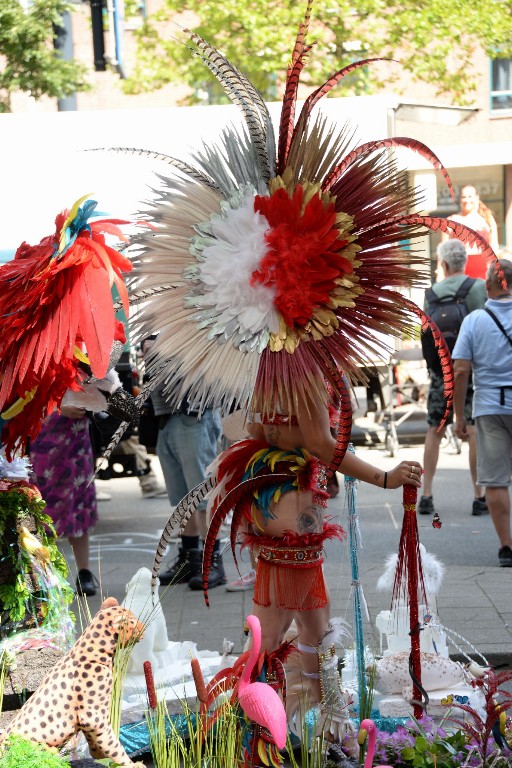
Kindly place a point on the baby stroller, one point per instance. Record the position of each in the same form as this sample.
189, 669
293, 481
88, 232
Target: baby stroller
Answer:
405, 395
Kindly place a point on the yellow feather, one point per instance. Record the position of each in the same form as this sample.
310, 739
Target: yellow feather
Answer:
77, 352
19, 405
275, 756
262, 752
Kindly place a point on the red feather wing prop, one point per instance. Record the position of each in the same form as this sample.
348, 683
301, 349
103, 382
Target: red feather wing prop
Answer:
55, 297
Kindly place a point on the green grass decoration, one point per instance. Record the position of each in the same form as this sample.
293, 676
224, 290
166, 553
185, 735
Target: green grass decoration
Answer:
22, 753
192, 744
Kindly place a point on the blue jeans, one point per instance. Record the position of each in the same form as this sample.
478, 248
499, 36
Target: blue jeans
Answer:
186, 446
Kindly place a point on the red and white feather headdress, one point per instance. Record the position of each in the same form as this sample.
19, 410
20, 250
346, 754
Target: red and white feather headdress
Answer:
276, 261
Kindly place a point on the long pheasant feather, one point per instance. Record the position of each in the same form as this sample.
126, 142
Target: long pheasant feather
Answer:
244, 95
323, 90
180, 165
179, 517
437, 224
299, 53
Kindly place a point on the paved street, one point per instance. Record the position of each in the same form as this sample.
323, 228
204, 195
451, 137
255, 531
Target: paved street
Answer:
475, 599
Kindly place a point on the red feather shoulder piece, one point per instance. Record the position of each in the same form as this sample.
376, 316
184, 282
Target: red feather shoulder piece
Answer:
56, 305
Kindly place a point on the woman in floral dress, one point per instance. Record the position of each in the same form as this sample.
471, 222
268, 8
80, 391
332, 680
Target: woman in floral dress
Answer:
63, 463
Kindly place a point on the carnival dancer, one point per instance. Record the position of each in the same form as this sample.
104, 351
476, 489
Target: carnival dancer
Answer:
273, 267
285, 523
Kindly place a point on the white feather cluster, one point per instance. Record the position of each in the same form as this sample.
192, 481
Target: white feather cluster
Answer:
433, 572
17, 469
229, 249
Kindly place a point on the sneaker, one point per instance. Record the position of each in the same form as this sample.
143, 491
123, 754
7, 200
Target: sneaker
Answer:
186, 565
216, 577
102, 496
242, 584
155, 492
86, 583
480, 507
505, 557
426, 505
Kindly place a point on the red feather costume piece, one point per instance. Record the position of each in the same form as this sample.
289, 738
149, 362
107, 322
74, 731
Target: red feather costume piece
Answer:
56, 302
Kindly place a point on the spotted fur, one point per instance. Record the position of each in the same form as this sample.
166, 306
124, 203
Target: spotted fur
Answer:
75, 694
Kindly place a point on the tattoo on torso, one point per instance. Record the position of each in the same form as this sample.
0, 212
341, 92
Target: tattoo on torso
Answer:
310, 520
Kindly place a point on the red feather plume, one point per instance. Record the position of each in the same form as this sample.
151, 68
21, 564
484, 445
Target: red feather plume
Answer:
56, 297
300, 50
397, 141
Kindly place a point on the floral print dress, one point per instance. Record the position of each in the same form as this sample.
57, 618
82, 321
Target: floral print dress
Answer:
63, 463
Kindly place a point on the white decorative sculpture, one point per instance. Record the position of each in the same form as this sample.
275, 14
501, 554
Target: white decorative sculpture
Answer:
442, 678
154, 644
170, 660
395, 625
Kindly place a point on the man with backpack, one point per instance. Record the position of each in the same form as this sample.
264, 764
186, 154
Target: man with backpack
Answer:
447, 303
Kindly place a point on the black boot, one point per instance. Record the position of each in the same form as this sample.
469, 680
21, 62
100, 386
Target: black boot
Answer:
186, 565
216, 577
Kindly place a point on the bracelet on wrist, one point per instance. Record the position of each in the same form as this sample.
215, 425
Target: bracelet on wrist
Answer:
385, 480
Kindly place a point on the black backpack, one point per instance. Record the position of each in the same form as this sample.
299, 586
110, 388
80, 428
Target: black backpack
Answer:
447, 313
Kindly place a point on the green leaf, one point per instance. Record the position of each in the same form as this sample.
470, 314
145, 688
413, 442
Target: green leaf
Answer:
421, 744
28, 61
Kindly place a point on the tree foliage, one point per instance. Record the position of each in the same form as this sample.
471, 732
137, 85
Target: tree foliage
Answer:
434, 41
28, 61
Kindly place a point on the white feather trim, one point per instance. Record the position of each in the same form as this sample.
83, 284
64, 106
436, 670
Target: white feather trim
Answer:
433, 572
337, 629
17, 469
227, 260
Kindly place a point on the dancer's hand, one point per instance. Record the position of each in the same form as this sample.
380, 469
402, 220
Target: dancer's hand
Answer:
72, 412
406, 473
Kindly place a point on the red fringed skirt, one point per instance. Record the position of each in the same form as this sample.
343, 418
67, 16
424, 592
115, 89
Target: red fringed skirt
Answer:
289, 572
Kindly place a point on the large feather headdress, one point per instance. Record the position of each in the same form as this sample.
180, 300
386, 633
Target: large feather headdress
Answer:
277, 261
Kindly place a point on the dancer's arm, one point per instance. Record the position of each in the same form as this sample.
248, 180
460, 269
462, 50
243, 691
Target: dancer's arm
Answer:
314, 425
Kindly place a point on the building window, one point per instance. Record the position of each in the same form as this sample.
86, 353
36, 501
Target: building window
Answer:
501, 84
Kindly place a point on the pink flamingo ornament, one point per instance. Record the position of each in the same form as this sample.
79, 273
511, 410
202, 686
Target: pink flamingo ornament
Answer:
259, 701
369, 727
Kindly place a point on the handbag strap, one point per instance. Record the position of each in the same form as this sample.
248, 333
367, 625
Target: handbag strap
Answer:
499, 324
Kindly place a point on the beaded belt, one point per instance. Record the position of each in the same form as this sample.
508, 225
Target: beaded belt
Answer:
305, 557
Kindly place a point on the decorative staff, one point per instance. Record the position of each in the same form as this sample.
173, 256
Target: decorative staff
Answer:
408, 580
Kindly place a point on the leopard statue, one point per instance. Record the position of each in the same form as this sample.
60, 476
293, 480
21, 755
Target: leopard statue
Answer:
75, 694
